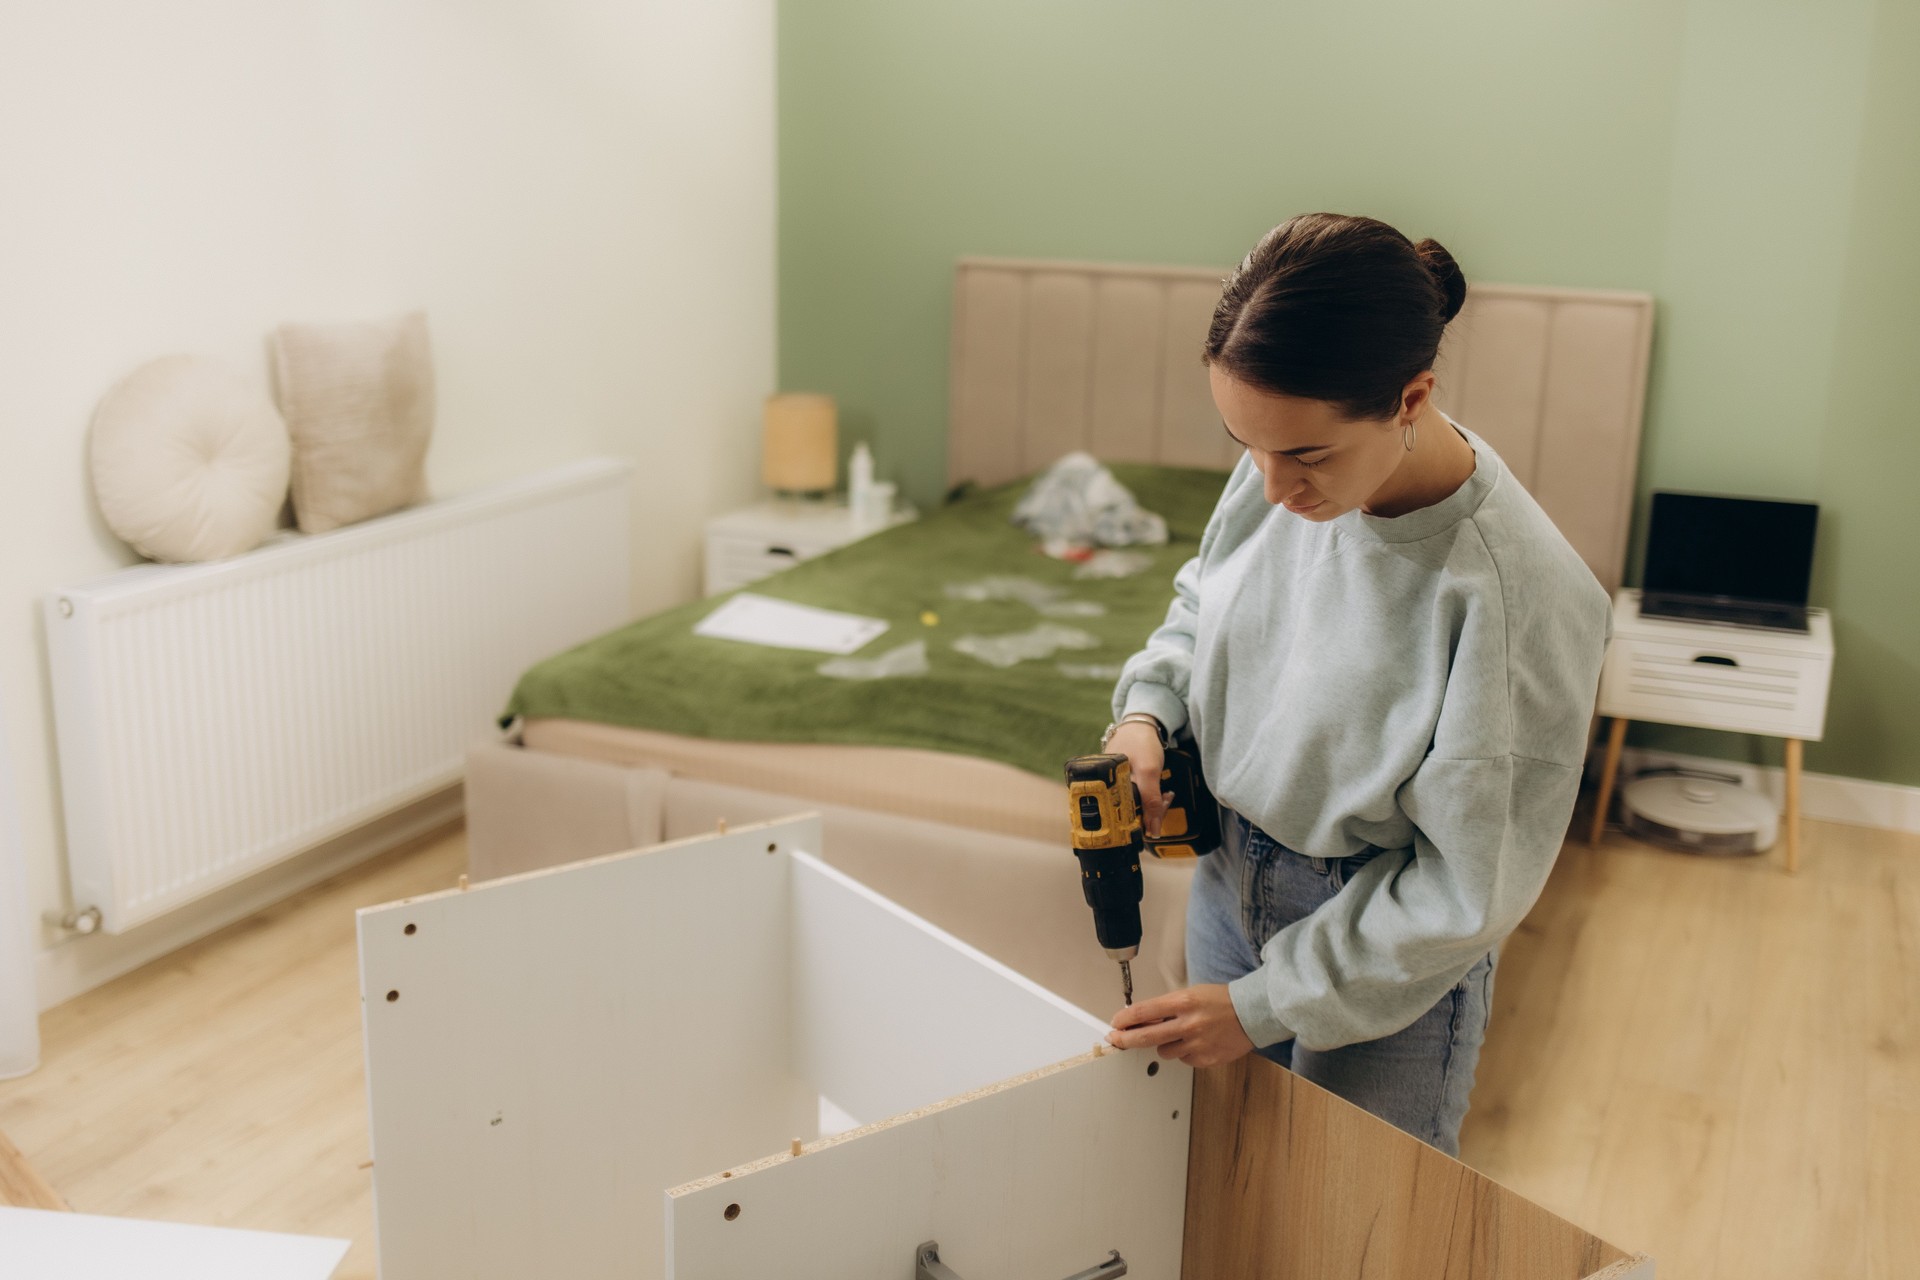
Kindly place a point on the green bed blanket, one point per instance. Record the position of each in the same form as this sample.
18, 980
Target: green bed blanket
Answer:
656, 674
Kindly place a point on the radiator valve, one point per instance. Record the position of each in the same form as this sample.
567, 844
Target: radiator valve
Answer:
81, 922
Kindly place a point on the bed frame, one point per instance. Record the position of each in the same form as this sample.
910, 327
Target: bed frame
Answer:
1048, 357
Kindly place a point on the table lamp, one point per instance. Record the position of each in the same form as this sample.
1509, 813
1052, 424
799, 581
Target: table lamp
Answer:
799, 444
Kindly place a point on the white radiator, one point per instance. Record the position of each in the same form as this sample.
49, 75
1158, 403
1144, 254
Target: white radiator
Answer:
215, 718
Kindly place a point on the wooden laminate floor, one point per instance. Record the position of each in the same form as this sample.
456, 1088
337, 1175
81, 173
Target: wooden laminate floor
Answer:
1715, 1062
1704, 1060
224, 1084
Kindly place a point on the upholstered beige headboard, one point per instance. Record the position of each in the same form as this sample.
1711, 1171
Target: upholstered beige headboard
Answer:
1049, 357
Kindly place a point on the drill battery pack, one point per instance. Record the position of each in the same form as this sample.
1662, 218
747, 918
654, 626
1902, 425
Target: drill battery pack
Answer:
1190, 828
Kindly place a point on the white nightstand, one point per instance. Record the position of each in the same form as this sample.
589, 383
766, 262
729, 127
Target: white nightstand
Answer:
1741, 679
744, 546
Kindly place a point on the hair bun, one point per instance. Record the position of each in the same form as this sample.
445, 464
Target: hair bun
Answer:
1446, 273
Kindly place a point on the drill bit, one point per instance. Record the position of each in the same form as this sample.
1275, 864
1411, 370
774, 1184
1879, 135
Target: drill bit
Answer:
1126, 982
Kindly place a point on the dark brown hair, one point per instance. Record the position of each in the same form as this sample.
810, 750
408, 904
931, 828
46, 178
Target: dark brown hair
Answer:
1336, 308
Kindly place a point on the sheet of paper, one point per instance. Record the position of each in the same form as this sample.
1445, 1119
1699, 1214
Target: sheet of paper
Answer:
785, 625
82, 1246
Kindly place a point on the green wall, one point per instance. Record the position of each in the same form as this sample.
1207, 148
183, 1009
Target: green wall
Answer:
1750, 163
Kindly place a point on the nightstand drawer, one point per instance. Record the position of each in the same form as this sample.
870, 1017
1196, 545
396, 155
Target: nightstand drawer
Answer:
731, 564
1732, 687
745, 546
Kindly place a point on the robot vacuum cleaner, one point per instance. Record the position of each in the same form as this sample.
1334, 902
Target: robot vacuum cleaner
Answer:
1693, 812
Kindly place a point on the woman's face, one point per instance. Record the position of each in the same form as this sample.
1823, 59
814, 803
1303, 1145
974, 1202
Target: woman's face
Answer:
1317, 464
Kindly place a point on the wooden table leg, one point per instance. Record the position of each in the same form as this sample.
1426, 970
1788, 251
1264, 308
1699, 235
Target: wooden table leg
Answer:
1792, 816
1616, 738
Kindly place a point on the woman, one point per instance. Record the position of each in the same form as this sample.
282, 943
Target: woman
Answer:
1387, 657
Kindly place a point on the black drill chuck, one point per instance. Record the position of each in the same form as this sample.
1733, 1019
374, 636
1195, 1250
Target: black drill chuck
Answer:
1111, 881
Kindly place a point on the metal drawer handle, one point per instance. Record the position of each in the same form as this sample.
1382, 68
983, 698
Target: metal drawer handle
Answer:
927, 1266
1717, 659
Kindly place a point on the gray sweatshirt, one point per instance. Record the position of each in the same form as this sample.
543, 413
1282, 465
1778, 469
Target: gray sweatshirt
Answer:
1421, 686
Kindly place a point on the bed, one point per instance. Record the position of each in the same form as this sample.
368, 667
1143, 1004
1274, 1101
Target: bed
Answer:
945, 792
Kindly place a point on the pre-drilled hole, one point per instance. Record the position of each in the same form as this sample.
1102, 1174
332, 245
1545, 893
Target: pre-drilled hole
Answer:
1153, 1068
1176, 1115
410, 928
392, 996
772, 847
733, 1211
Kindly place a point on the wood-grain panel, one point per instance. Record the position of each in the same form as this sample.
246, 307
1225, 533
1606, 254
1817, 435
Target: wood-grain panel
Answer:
1286, 1181
1058, 360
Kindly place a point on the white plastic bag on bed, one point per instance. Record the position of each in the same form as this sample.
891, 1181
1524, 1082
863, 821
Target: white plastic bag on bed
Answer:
1076, 501
1043, 599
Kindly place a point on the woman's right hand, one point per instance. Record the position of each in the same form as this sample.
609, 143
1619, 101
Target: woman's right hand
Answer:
1139, 742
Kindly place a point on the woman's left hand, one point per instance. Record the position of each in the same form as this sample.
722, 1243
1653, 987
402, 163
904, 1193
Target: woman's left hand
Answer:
1197, 1025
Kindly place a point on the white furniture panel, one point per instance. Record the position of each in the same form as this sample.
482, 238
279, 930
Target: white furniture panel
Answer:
888, 1010
41, 1244
1038, 1179
547, 1053
550, 1053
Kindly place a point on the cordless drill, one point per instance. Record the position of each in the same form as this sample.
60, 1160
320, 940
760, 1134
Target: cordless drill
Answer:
1107, 838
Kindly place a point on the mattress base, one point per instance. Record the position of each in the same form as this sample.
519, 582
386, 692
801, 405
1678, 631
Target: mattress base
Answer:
936, 786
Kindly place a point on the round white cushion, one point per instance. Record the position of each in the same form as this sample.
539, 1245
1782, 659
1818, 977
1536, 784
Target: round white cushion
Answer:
189, 461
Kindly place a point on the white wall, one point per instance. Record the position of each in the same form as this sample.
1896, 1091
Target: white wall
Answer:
579, 192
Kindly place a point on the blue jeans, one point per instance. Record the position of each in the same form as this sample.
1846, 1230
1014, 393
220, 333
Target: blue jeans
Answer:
1420, 1077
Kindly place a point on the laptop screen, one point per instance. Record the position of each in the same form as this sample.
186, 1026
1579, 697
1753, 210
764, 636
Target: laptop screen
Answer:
1730, 548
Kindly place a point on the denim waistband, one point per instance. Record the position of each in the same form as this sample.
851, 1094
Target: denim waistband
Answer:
1260, 844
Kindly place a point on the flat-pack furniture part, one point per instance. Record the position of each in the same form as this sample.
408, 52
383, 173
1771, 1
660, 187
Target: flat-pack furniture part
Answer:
1016, 899
52, 1244
644, 1065
549, 1054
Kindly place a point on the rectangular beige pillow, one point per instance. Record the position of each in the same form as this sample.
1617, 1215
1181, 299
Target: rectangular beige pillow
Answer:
358, 400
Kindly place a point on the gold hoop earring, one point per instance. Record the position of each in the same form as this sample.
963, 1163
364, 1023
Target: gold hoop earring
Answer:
1406, 437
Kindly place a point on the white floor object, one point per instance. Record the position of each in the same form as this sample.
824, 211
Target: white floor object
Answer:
549, 1054
38, 1244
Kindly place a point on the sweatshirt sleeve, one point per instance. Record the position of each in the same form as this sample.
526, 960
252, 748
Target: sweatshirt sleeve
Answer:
1489, 805
1157, 679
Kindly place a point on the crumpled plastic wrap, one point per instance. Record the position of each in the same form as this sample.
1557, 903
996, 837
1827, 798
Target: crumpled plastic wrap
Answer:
909, 659
1113, 564
1076, 501
1043, 599
1016, 647
1108, 671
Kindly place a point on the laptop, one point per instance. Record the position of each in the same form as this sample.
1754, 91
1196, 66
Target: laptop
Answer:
1742, 562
